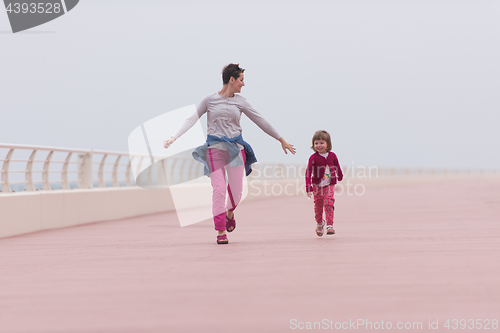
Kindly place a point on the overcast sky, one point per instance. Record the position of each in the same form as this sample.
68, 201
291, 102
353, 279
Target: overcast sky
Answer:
396, 83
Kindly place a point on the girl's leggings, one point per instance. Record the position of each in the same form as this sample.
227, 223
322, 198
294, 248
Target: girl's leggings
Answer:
219, 165
323, 199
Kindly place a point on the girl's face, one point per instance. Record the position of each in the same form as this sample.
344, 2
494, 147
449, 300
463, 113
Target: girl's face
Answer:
320, 146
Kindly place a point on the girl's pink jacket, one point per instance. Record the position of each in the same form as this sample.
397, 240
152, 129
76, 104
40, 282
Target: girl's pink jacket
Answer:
316, 170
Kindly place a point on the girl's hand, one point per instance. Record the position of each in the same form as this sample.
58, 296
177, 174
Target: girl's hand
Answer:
285, 145
309, 194
168, 142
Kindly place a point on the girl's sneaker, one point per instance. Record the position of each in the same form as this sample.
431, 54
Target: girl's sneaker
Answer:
319, 228
330, 230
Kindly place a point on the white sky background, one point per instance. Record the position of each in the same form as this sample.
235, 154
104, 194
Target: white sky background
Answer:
396, 83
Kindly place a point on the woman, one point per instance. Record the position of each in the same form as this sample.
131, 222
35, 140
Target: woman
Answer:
225, 150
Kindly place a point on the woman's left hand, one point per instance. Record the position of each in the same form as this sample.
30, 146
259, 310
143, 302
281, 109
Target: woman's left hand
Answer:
285, 145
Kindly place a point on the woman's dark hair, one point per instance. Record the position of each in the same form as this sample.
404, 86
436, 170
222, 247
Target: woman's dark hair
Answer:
231, 70
322, 135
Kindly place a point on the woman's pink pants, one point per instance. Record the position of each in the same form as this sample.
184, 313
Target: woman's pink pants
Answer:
219, 166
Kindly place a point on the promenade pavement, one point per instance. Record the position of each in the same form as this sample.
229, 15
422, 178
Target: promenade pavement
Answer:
404, 253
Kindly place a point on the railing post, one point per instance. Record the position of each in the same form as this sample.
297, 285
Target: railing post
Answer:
64, 174
137, 171
192, 169
163, 173
85, 174
282, 167
29, 172
127, 172
115, 171
5, 172
181, 173
45, 172
150, 175
170, 176
100, 175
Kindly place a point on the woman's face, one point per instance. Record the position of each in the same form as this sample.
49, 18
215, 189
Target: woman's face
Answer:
238, 83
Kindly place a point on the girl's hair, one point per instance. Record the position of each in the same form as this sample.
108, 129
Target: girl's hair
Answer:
231, 70
322, 135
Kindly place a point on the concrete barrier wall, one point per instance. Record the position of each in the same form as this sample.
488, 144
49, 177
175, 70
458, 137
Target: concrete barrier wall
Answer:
24, 212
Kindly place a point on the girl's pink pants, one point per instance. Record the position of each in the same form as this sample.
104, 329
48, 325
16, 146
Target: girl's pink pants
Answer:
323, 200
219, 167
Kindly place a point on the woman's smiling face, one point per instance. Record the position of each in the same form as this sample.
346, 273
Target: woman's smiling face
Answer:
238, 83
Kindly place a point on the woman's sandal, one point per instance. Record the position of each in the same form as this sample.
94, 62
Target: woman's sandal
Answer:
319, 232
330, 230
230, 224
222, 239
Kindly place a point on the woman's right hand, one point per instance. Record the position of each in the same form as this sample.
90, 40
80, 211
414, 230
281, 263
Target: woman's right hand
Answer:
168, 142
285, 145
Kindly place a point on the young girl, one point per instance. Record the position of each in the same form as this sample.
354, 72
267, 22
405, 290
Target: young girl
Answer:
322, 173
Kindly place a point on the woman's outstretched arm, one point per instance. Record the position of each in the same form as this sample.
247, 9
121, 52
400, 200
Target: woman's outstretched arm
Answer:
264, 125
200, 110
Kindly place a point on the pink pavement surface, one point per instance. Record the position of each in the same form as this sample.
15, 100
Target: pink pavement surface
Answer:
402, 253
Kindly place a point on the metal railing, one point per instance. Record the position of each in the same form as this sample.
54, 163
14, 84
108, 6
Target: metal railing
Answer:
279, 170
75, 168
32, 168
387, 171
